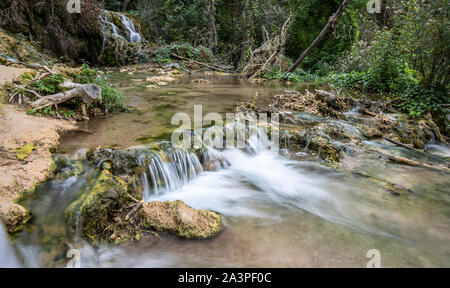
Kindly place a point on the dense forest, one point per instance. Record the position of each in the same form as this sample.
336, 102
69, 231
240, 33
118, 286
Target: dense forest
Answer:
402, 51
350, 155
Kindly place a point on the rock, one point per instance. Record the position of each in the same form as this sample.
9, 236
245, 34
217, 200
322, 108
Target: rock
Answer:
96, 112
161, 78
14, 216
180, 219
99, 207
371, 133
151, 86
162, 83
111, 214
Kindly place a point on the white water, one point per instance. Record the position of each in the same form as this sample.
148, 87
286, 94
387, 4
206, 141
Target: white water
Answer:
134, 36
442, 150
7, 257
114, 29
251, 181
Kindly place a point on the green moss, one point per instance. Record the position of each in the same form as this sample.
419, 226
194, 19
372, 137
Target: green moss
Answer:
99, 206
24, 151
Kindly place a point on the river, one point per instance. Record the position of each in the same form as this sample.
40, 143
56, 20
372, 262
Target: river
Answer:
278, 211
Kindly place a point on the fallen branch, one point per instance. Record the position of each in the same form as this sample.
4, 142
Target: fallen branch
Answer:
409, 162
398, 143
331, 22
134, 210
199, 63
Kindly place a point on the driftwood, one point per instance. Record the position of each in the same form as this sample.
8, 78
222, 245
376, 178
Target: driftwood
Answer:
399, 144
87, 92
409, 162
330, 23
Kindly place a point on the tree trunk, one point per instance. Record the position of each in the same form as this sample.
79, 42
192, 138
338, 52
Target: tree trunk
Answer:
332, 19
212, 29
248, 33
87, 92
125, 5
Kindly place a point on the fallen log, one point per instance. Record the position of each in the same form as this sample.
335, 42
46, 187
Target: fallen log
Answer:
330, 23
87, 92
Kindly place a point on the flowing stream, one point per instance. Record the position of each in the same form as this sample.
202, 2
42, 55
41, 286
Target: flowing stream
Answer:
278, 211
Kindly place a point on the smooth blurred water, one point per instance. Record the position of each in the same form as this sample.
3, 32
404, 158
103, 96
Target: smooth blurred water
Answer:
7, 256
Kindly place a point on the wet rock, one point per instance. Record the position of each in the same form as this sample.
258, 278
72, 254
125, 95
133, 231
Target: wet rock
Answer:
371, 133
304, 140
99, 208
161, 78
180, 219
109, 211
14, 216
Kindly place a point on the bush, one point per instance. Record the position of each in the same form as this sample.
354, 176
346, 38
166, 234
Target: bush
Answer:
111, 98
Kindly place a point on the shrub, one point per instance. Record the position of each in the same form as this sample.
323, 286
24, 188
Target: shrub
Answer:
111, 98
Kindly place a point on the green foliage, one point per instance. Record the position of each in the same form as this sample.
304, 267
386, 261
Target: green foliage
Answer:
111, 98
297, 77
199, 53
417, 100
310, 18
49, 84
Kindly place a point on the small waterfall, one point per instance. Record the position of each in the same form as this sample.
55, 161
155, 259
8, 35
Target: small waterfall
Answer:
134, 36
114, 29
168, 171
7, 257
131, 35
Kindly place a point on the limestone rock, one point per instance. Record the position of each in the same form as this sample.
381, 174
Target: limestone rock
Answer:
180, 219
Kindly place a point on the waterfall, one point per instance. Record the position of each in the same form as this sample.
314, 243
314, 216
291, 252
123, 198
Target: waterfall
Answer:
169, 171
134, 36
8, 258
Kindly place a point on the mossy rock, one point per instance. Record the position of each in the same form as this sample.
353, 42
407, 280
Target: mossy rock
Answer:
178, 218
100, 206
14, 216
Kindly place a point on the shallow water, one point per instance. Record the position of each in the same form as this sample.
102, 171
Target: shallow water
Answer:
278, 212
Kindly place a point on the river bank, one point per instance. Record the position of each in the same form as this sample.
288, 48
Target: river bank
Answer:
25, 156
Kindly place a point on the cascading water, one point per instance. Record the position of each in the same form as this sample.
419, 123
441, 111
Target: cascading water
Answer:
130, 35
134, 37
169, 171
8, 258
